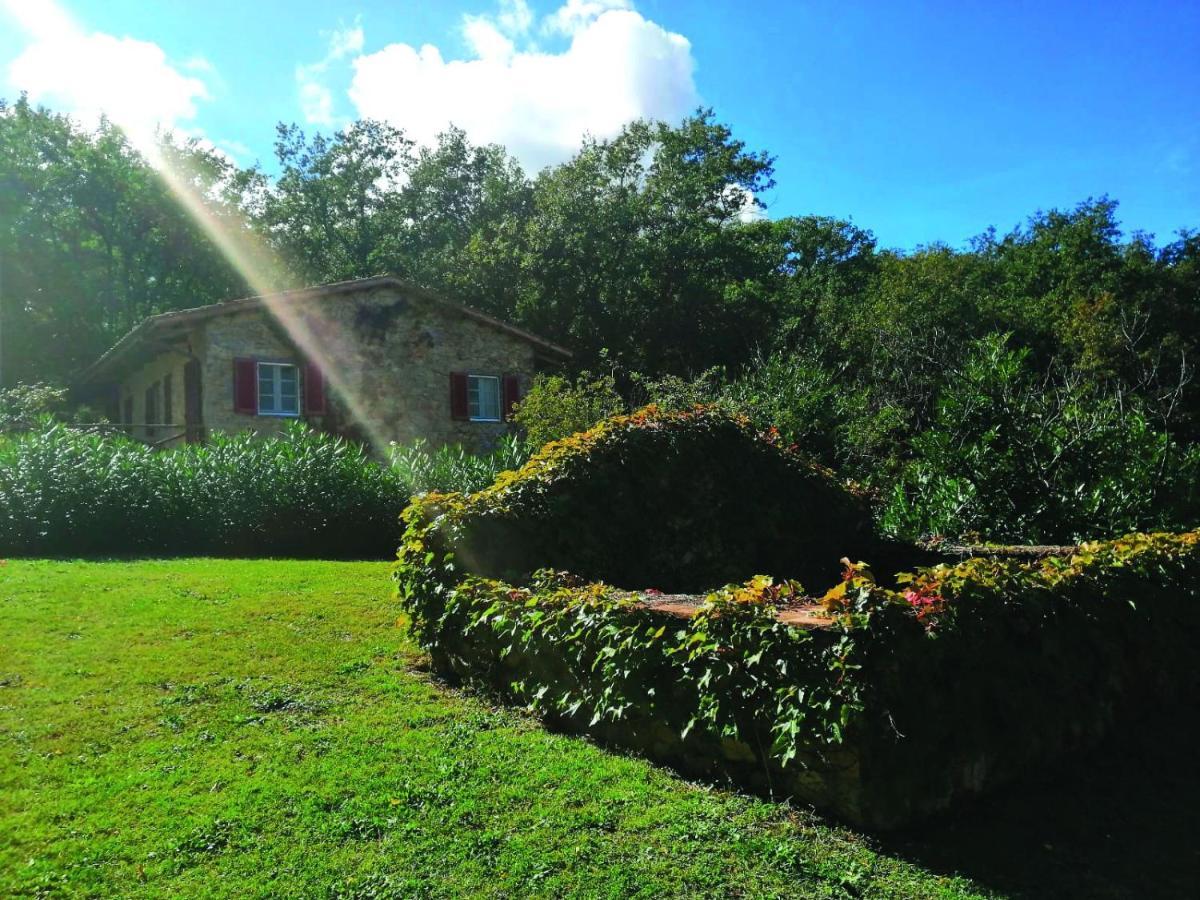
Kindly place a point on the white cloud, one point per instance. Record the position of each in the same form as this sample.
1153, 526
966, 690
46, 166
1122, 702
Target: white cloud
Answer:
617, 67
575, 15
515, 16
90, 74
486, 40
346, 40
749, 209
316, 98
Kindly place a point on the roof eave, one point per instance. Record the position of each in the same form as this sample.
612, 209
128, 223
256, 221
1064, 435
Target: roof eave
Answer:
133, 338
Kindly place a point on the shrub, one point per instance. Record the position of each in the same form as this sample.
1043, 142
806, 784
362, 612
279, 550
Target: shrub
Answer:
25, 406
1012, 457
673, 500
452, 468
797, 395
894, 705
676, 394
557, 407
66, 492
883, 704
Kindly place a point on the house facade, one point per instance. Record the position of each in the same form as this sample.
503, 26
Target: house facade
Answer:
376, 359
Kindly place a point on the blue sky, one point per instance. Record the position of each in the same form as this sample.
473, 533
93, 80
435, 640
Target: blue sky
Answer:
920, 121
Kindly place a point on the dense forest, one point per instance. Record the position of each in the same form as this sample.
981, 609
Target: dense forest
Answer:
1033, 385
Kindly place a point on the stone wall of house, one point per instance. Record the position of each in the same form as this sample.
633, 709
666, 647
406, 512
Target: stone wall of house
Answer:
387, 356
134, 386
252, 334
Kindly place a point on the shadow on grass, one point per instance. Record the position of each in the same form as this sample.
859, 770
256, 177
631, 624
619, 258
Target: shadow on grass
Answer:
1118, 822
1121, 822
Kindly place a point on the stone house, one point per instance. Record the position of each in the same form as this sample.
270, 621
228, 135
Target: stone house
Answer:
375, 359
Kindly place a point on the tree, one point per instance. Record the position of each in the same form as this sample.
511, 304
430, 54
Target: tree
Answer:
92, 239
336, 199
463, 208
648, 245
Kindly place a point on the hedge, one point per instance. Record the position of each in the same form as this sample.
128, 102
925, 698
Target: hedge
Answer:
671, 500
895, 700
303, 494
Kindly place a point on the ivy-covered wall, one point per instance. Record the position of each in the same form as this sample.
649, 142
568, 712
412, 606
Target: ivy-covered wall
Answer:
892, 701
676, 501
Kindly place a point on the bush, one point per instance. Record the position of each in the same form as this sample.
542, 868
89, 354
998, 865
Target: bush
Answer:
676, 394
66, 492
672, 500
883, 704
891, 705
452, 468
797, 395
557, 407
25, 406
1017, 458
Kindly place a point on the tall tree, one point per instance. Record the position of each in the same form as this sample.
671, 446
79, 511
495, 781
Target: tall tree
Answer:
92, 239
648, 245
336, 199
463, 210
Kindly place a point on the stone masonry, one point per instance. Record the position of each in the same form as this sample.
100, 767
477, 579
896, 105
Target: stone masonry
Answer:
386, 353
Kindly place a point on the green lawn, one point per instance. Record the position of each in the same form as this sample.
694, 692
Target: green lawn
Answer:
266, 728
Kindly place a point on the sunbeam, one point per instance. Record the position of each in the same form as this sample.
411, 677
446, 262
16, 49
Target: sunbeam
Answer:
265, 273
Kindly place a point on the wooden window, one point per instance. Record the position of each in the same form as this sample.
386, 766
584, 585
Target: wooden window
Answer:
245, 386
278, 389
458, 396
314, 390
511, 394
483, 398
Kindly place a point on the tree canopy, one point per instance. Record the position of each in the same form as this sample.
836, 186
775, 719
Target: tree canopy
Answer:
650, 254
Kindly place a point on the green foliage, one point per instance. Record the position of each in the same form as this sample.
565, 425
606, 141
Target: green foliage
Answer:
333, 203
66, 492
452, 468
1013, 457
92, 240
512, 587
24, 406
955, 679
650, 245
674, 393
557, 407
799, 396
1016, 662
589, 654
646, 253
672, 500
153, 673
668, 498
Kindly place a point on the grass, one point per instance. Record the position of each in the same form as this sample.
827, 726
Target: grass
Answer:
266, 728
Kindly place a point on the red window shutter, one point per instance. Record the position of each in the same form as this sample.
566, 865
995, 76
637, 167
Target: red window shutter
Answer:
458, 395
245, 386
511, 394
314, 390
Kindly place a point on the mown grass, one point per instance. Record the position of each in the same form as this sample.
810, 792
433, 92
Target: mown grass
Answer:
266, 728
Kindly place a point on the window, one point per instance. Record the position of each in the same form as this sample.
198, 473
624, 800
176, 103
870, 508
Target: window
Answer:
278, 389
483, 398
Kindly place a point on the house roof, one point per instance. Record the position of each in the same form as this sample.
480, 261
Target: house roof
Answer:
164, 324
